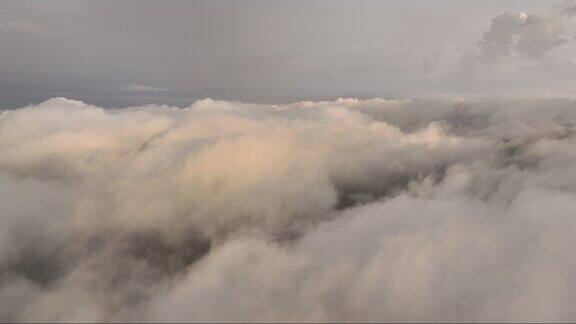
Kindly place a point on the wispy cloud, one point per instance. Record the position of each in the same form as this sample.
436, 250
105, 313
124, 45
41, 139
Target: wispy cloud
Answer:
143, 88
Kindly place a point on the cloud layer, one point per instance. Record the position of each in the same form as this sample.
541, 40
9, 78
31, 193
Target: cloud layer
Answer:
346, 210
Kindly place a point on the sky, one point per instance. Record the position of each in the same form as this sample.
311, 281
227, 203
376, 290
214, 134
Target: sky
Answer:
137, 52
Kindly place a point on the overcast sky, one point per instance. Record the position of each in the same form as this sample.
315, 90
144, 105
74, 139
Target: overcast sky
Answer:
119, 53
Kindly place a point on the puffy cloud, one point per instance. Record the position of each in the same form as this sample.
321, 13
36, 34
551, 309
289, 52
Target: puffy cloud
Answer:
520, 54
406, 259
372, 210
518, 35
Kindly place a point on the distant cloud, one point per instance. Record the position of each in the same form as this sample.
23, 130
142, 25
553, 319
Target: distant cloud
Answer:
139, 87
519, 54
517, 36
571, 11
566, 8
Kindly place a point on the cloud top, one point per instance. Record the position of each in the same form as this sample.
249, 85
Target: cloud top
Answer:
345, 210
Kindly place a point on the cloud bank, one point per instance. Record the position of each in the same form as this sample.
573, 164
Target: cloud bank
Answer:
346, 210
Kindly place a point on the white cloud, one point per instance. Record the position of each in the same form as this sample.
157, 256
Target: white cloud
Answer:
370, 210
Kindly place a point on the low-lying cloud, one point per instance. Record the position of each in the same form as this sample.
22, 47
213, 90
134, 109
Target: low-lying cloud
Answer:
346, 210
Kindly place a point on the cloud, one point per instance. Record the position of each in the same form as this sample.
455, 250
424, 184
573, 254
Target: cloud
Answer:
139, 87
566, 8
520, 36
345, 210
520, 54
516, 39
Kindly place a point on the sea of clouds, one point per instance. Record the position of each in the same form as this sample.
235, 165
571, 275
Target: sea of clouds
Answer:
345, 210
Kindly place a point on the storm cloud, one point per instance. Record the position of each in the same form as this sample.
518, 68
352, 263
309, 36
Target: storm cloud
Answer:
344, 210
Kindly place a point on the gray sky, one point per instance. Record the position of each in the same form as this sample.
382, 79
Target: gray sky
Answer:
119, 53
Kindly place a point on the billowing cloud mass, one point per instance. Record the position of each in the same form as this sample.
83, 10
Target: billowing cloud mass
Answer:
346, 210
517, 40
529, 35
